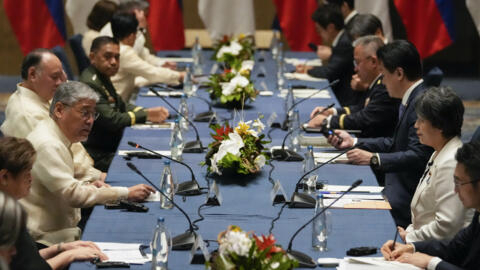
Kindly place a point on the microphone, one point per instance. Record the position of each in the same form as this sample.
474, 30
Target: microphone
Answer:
190, 147
287, 154
303, 200
187, 188
185, 240
284, 126
303, 259
199, 117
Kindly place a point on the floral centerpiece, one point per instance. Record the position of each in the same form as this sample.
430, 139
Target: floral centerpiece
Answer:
242, 250
232, 88
233, 51
237, 150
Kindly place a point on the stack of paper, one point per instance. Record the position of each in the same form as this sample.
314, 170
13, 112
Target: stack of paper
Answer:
322, 157
121, 252
342, 188
308, 62
318, 140
168, 125
163, 94
367, 263
304, 93
302, 77
359, 204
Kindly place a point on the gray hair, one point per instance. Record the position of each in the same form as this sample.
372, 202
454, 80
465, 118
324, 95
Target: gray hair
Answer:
12, 219
71, 92
370, 43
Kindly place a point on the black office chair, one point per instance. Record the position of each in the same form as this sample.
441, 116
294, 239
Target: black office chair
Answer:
476, 135
80, 55
62, 55
433, 77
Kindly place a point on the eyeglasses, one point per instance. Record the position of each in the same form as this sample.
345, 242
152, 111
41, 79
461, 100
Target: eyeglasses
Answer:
459, 184
85, 113
356, 63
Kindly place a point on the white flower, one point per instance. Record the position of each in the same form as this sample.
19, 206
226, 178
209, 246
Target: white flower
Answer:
231, 145
275, 265
234, 49
235, 242
237, 81
260, 161
247, 65
214, 167
228, 88
258, 124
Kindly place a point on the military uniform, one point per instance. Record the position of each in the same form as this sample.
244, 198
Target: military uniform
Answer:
376, 118
115, 115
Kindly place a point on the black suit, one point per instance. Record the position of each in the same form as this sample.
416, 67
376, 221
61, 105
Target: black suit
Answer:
462, 252
402, 161
340, 66
376, 118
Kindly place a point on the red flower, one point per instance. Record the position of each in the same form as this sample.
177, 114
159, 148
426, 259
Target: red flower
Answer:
225, 39
265, 242
222, 132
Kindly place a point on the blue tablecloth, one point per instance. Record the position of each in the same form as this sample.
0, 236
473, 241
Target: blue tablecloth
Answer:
246, 204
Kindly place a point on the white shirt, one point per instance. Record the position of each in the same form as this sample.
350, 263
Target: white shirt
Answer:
409, 92
337, 38
55, 198
350, 17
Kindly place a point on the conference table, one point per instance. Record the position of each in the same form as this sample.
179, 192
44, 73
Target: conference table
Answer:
246, 202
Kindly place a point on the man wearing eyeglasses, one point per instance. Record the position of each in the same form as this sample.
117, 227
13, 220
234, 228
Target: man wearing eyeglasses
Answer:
462, 252
115, 114
56, 197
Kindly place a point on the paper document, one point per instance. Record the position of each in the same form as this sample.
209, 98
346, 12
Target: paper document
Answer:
361, 263
303, 77
318, 140
359, 204
176, 59
125, 152
304, 93
168, 125
355, 196
322, 157
340, 188
265, 93
163, 94
121, 252
299, 61
154, 197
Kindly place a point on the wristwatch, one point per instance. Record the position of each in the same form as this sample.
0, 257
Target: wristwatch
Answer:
374, 162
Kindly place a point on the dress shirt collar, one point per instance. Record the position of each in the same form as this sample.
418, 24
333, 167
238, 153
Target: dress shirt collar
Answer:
350, 16
26, 92
372, 84
337, 38
58, 132
409, 91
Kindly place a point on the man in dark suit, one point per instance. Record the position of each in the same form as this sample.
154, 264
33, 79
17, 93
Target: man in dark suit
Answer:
347, 7
401, 160
377, 117
462, 252
114, 113
329, 25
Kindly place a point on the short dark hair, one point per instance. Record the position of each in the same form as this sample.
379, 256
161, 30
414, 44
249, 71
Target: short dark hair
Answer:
350, 3
469, 156
401, 54
129, 6
16, 155
12, 220
98, 42
33, 59
123, 24
364, 25
101, 14
327, 14
443, 109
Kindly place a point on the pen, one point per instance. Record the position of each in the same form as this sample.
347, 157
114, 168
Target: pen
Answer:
395, 239
324, 110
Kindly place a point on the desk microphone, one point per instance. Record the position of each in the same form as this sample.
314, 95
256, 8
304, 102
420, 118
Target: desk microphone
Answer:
190, 147
303, 200
187, 188
185, 240
199, 117
303, 259
287, 154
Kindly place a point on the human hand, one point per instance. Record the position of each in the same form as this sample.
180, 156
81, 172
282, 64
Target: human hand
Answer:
347, 140
302, 68
319, 109
359, 157
100, 184
85, 254
103, 176
170, 65
402, 233
317, 121
80, 244
357, 84
139, 192
418, 259
324, 52
157, 114
391, 254
141, 18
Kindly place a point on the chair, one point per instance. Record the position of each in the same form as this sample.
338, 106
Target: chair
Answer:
433, 77
80, 55
62, 55
476, 135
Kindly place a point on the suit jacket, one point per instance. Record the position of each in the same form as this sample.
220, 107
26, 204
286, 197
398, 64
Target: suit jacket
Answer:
402, 161
377, 117
437, 212
115, 115
462, 252
340, 66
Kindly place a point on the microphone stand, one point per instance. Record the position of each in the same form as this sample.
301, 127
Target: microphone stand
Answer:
190, 147
187, 188
287, 154
182, 241
303, 259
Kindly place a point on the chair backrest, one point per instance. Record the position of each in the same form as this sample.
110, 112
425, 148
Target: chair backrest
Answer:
80, 55
433, 77
476, 135
62, 55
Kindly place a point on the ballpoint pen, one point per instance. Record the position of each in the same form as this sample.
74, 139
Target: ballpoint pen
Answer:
324, 110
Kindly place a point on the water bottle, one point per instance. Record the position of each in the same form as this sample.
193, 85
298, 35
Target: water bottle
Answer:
319, 227
280, 68
167, 186
280, 54
294, 142
176, 141
289, 101
274, 44
309, 164
183, 109
197, 57
161, 245
187, 82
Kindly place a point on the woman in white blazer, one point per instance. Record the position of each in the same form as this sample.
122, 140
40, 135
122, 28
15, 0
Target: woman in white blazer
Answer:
437, 213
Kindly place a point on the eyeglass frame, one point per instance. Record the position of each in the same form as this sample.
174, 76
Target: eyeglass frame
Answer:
458, 184
85, 114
